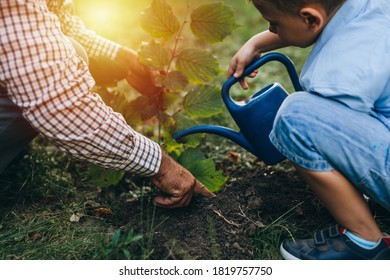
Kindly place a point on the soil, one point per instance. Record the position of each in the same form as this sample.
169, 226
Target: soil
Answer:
258, 208
238, 223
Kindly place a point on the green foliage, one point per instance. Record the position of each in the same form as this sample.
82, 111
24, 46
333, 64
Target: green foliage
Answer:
122, 244
203, 169
203, 101
212, 22
101, 177
154, 55
199, 65
159, 20
179, 49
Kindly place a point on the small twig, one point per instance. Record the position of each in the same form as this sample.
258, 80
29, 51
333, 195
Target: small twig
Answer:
226, 220
258, 223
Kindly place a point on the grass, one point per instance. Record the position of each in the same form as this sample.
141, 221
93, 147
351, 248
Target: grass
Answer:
40, 192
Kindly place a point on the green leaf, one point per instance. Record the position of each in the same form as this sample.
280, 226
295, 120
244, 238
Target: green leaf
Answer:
202, 169
171, 146
191, 155
199, 65
104, 177
115, 240
213, 22
154, 55
159, 20
176, 81
203, 101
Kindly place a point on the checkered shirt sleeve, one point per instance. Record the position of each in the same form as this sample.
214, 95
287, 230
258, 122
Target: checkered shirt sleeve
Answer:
73, 27
52, 86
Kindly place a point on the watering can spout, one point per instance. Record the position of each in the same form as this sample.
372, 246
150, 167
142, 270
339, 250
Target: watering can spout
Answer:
228, 133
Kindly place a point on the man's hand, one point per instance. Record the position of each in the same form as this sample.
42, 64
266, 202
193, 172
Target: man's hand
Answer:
178, 183
139, 76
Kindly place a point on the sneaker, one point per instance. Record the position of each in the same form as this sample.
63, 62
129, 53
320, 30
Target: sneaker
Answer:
333, 244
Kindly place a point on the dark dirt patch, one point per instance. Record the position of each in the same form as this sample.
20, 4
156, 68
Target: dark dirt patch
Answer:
234, 224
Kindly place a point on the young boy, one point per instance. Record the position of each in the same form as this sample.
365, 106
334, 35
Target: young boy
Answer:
337, 132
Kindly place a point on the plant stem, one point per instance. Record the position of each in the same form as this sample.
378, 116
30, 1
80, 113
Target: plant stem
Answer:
177, 39
173, 56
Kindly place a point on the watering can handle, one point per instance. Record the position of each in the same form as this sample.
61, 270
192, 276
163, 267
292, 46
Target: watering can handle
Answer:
260, 62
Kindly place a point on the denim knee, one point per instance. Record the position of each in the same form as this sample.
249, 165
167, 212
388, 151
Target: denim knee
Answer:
293, 129
321, 134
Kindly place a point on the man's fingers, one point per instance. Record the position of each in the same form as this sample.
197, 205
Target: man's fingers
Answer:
176, 202
202, 190
172, 202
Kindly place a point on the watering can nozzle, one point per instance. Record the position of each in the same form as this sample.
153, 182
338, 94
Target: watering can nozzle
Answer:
225, 132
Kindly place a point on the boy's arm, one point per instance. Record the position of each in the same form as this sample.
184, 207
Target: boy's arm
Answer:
252, 49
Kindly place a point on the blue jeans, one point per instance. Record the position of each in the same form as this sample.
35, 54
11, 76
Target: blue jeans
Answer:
15, 131
321, 134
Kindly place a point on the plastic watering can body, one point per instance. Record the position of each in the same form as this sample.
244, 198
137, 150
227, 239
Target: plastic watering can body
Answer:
254, 115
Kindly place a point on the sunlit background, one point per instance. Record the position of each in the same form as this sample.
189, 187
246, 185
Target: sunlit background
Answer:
117, 20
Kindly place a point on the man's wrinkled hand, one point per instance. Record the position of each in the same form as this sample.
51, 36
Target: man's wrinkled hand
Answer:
178, 184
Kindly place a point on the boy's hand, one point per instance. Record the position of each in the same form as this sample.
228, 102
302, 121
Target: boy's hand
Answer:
242, 59
252, 49
178, 183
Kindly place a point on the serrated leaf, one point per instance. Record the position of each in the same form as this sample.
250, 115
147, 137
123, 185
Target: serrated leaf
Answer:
176, 81
159, 20
213, 22
199, 65
190, 155
202, 169
203, 101
154, 55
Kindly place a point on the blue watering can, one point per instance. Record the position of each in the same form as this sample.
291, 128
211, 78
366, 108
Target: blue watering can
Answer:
254, 115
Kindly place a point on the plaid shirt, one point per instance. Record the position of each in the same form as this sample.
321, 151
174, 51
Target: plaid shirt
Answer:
52, 86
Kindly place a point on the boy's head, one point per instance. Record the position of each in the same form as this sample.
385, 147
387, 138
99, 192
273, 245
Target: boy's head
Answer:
297, 22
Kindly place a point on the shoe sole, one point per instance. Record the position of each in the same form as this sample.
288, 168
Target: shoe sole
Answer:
286, 255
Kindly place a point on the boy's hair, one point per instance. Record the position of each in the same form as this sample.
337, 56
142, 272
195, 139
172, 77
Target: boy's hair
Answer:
293, 6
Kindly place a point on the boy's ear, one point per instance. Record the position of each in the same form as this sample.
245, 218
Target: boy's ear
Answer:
313, 17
